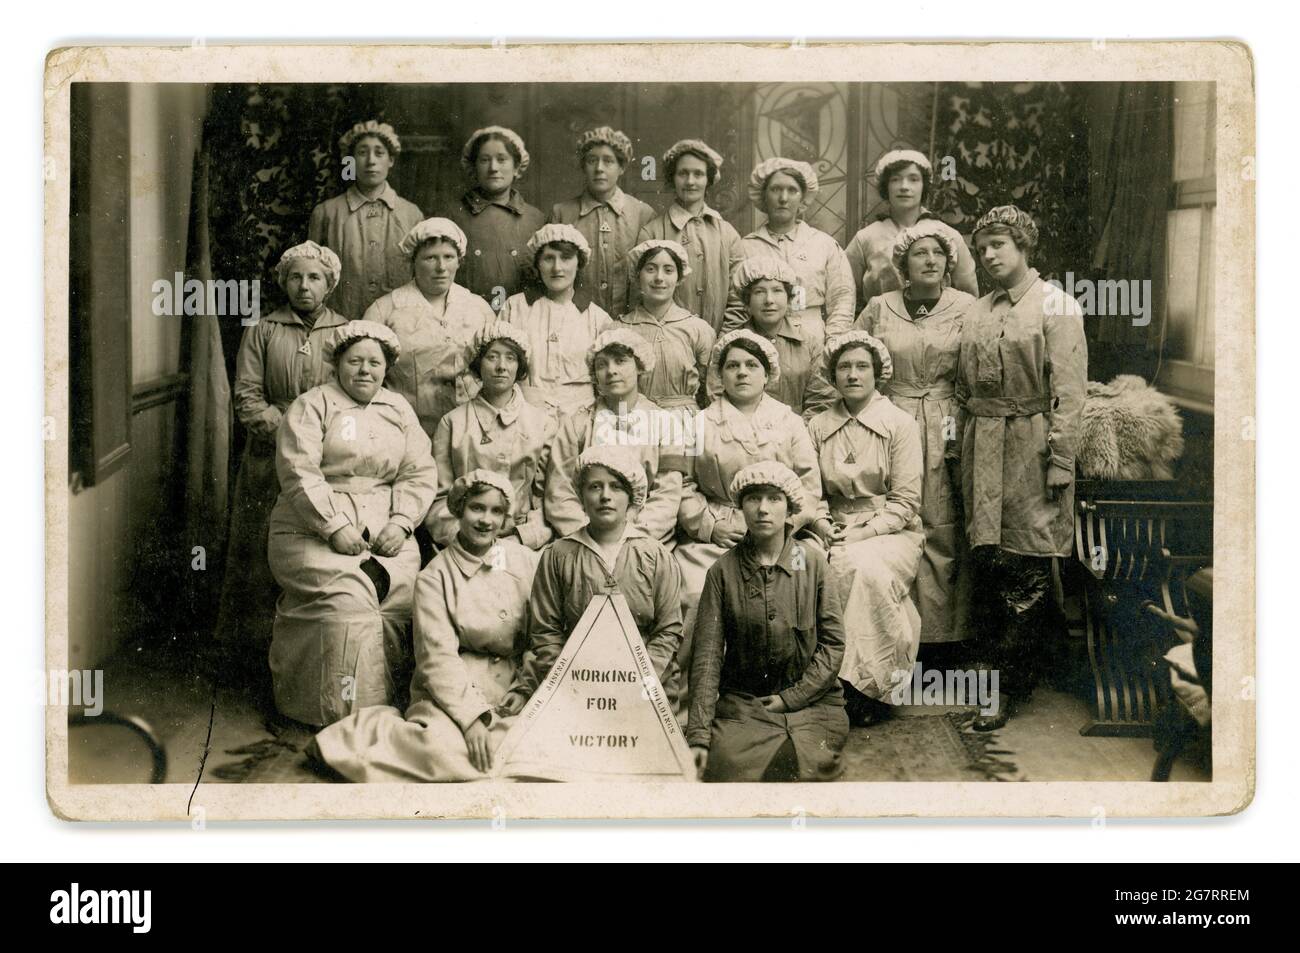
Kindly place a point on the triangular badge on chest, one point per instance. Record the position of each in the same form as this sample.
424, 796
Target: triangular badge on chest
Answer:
850, 458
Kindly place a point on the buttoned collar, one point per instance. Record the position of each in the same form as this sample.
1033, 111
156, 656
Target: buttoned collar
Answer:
749, 562
467, 563
616, 202
382, 396
1015, 294
355, 199
286, 315
477, 202
508, 414
874, 416
679, 216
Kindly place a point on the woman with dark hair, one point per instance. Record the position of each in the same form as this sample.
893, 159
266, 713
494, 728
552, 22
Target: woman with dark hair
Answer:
364, 224
766, 285
904, 179
921, 326
470, 615
494, 216
1021, 381
499, 431
279, 357
608, 217
824, 297
713, 246
621, 417
766, 704
609, 554
356, 478
681, 342
743, 425
435, 319
869, 454
559, 320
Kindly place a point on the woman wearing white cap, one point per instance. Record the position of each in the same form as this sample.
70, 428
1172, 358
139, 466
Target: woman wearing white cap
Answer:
470, 615
1021, 382
624, 417
904, 179
766, 702
280, 356
494, 216
434, 319
356, 478
713, 247
766, 285
559, 319
869, 453
608, 217
497, 430
921, 325
610, 554
680, 341
364, 223
824, 296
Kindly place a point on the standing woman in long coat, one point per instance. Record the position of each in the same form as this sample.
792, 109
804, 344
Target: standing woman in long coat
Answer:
364, 224
1021, 383
608, 217
494, 216
281, 356
712, 244
824, 295
921, 326
904, 179
435, 320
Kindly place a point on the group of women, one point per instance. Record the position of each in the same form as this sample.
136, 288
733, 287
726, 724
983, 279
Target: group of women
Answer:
796, 463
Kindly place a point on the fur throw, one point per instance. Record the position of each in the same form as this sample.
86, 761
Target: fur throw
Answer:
1129, 431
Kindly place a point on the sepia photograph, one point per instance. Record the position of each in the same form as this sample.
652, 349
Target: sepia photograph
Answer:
579, 431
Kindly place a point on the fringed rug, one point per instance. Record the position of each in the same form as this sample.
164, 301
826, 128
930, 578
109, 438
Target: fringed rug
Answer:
928, 747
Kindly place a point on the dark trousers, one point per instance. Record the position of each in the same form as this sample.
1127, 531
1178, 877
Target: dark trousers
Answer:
1015, 617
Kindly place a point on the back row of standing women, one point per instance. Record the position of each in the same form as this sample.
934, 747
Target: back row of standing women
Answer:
706, 319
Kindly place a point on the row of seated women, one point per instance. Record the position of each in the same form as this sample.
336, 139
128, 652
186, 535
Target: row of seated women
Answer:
928, 397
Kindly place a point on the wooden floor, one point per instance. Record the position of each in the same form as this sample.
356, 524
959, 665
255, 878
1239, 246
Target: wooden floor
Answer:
179, 702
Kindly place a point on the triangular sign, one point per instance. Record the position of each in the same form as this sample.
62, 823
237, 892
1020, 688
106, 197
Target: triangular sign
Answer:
600, 714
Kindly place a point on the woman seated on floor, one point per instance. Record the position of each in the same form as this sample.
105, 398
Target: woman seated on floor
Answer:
470, 613
356, 478
766, 700
610, 554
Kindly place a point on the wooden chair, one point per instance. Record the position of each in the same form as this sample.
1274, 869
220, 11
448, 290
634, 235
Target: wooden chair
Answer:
1137, 542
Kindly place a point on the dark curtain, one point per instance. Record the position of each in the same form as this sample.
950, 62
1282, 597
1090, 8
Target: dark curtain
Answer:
1131, 138
269, 154
1021, 144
